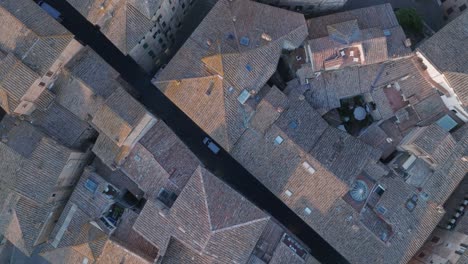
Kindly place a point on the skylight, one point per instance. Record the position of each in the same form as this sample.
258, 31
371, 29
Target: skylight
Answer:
278, 140
244, 95
293, 124
307, 166
244, 41
91, 185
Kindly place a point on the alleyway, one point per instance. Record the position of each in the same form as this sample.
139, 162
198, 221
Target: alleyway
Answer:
222, 165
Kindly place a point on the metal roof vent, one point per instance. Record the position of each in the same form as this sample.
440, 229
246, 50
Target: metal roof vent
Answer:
359, 191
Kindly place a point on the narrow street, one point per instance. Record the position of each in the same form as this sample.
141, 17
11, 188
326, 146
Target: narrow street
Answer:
222, 165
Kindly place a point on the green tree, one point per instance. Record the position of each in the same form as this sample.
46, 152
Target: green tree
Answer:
410, 20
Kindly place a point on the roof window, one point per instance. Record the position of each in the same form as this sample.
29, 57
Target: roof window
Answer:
278, 140
381, 209
293, 124
244, 41
248, 67
91, 185
387, 32
307, 166
288, 193
210, 88
244, 95
307, 211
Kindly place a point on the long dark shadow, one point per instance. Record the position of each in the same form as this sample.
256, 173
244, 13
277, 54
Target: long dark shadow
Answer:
222, 164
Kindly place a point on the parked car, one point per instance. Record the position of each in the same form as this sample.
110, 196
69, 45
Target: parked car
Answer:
51, 11
211, 145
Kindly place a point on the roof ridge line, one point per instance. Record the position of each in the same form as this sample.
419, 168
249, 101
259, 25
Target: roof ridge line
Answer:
199, 169
188, 79
242, 224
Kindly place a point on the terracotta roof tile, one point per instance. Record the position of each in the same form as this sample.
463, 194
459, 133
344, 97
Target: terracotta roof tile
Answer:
206, 215
245, 57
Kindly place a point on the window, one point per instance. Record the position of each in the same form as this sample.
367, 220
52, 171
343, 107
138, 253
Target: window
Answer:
53, 195
151, 53
145, 46
41, 84
435, 239
450, 11
307, 211
278, 140
288, 193
248, 67
307, 166
421, 255
163, 24
462, 7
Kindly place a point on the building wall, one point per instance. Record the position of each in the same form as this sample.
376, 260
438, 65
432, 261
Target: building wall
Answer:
307, 6
49, 224
46, 81
442, 247
69, 176
453, 8
154, 49
451, 101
